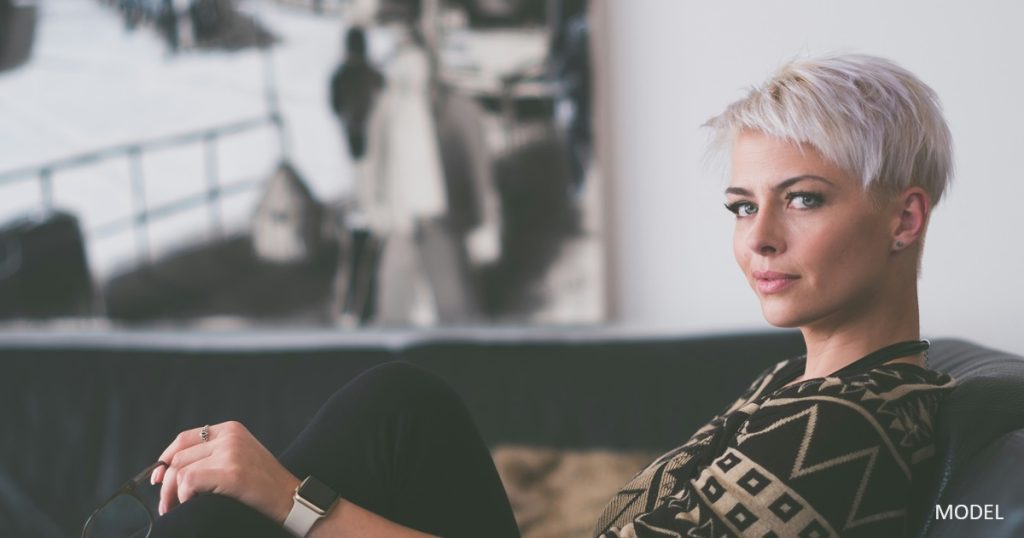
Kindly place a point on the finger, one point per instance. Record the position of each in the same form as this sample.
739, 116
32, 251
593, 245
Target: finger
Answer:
185, 439
169, 489
169, 485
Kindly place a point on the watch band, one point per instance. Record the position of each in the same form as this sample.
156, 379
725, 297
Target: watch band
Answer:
312, 500
300, 519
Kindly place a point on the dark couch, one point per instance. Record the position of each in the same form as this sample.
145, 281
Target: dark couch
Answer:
83, 411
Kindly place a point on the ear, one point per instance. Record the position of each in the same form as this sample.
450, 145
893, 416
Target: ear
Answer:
910, 218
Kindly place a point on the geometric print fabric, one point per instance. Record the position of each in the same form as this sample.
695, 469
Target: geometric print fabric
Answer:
762, 503
831, 456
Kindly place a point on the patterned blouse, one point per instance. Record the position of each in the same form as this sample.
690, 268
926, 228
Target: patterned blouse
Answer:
832, 456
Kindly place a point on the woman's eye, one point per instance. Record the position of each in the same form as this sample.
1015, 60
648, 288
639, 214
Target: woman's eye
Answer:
807, 200
742, 209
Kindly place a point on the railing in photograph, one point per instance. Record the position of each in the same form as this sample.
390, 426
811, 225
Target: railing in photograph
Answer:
143, 215
322, 7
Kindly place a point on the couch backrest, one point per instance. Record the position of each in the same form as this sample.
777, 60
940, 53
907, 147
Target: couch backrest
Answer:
80, 413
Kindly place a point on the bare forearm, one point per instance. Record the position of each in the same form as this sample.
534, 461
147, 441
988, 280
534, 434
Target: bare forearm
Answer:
349, 520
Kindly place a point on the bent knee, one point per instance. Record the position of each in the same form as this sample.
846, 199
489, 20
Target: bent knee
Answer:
410, 385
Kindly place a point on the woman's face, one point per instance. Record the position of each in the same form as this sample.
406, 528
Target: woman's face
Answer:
807, 238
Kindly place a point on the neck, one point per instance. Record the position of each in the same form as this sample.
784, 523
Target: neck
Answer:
891, 317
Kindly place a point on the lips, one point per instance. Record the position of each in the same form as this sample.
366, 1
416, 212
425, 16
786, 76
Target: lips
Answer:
773, 282
772, 275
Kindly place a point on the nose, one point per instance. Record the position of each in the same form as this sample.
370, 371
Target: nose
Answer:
765, 234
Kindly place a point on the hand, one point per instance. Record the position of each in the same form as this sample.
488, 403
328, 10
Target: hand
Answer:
233, 463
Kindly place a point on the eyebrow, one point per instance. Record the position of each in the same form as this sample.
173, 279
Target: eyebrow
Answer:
781, 186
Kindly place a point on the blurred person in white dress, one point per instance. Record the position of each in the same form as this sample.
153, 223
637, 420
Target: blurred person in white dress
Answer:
401, 190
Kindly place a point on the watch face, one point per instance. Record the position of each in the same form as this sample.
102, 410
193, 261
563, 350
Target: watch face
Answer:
317, 494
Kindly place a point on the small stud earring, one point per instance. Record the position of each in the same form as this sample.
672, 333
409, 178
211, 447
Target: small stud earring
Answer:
899, 244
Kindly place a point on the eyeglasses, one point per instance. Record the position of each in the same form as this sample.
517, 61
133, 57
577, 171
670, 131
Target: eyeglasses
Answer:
126, 514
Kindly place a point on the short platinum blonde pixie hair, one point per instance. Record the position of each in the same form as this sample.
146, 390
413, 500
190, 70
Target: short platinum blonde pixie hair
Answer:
865, 114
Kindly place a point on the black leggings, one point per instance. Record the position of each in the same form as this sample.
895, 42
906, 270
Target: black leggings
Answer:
396, 441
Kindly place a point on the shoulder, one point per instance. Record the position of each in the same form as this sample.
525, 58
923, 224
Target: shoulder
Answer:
893, 405
879, 389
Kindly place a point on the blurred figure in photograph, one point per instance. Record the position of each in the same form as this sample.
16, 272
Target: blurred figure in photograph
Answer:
354, 90
422, 274
570, 67
355, 87
175, 21
167, 21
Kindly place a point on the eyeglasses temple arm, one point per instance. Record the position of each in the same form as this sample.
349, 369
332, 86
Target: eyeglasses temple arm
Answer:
143, 475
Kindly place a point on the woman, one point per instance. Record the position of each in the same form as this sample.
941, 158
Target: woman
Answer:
836, 164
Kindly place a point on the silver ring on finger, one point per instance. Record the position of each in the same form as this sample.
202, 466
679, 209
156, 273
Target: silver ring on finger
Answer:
204, 433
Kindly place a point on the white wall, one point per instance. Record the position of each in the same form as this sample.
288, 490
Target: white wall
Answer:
670, 65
